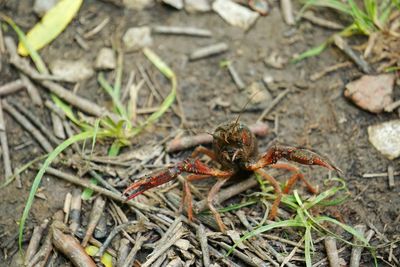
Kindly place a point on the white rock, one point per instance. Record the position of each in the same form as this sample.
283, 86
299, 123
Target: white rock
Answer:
235, 14
106, 59
137, 4
178, 4
193, 6
71, 70
386, 138
40, 7
137, 38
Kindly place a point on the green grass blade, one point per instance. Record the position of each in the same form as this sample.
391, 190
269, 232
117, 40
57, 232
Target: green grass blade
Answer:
113, 94
37, 60
307, 246
312, 52
167, 72
345, 227
39, 175
333, 4
262, 229
87, 192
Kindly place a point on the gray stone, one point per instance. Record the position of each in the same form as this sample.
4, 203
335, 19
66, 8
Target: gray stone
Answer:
385, 137
40, 7
71, 70
106, 59
178, 4
137, 4
193, 6
372, 93
235, 14
137, 38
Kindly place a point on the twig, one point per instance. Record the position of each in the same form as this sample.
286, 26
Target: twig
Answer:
110, 237
132, 254
4, 145
97, 29
11, 87
162, 248
202, 236
35, 241
379, 174
28, 126
345, 48
287, 12
331, 251
190, 31
84, 183
248, 260
235, 77
94, 217
33, 92
356, 250
318, 75
75, 212
326, 258
81, 42
273, 104
67, 206
58, 127
34, 119
79, 102
390, 172
292, 253
260, 129
123, 252
208, 51
70, 247
310, 16
222, 257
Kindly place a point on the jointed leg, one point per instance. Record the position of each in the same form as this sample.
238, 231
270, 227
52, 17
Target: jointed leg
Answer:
277, 188
293, 179
203, 150
210, 198
187, 193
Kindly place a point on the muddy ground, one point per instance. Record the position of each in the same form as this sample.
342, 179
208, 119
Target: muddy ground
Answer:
313, 114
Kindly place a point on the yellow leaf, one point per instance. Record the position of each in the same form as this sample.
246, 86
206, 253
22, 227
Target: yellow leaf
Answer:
106, 259
51, 25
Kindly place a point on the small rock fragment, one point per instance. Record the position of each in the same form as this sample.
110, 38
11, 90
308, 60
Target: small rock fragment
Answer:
258, 96
137, 4
40, 7
137, 38
235, 14
275, 61
193, 6
372, 93
385, 137
178, 4
71, 70
106, 59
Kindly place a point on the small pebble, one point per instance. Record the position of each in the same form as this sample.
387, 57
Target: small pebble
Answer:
137, 4
137, 38
371, 93
235, 14
71, 70
194, 6
40, 7
178, 4
385, 138
106, 59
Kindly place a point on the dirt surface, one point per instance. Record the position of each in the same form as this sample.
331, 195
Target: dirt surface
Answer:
313, 114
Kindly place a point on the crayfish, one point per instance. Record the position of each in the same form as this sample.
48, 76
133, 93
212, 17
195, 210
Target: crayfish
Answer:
235, 149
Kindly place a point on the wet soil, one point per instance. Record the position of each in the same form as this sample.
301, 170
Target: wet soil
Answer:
314, 114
